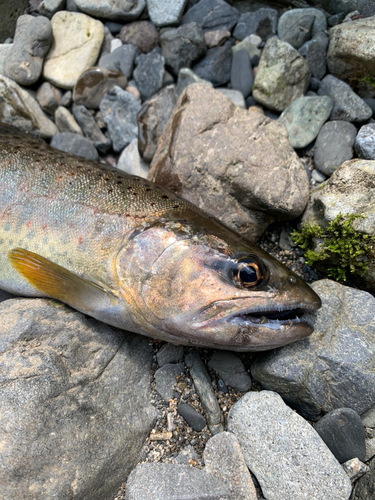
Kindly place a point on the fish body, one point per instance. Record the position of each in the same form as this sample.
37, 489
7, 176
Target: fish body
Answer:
136, 256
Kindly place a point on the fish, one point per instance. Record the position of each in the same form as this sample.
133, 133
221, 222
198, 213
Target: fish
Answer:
136, 256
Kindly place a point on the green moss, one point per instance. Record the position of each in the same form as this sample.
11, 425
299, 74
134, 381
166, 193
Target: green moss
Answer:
342, 250
369, 80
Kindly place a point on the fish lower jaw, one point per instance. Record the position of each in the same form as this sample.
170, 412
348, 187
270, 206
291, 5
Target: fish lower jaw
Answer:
263, 321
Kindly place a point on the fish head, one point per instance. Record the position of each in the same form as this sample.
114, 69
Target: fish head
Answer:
212, 289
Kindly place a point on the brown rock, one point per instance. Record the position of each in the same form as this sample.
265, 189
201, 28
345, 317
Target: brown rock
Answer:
216, 38
142, 34
235, 164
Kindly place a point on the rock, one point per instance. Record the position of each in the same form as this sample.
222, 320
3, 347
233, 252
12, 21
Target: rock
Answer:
67, 99
343, 433
291, 17
334, 145
19, 109
203, 387
364, 488
66, 122
90, 128
347, 105
77, 42
131, 162
187, 77
194, 419
121, 59
216, 65
148, 74
165, 379
283, 451
241, 77
315, 57
262, 23
141, 34
119, 109
170, 353
231, 369
247, 45
158, 481
75, 144
216, 38
334, 367
32, 41
94, 83
223, 459
299, 32
365, 142
49, 97
151, 119
304, 118
350, 56
234, 95
371, 103
368, 418
165, 12
182, 46
317, 176
49, 7
282, 75
5, 52
355, 469
74, 391
212, 15
185, 456
107, 42
112, 9
274, 180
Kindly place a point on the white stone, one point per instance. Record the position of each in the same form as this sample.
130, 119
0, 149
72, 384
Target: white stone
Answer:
66, 122
130, 161
115, 44
166, 12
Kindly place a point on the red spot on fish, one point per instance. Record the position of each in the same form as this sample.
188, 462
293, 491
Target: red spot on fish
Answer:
80, 239
28, 224
59, 178
45, 226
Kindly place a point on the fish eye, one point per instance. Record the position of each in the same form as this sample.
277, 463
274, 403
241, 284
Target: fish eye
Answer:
248, 273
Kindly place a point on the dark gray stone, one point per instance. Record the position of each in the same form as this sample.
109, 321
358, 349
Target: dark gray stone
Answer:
216, 65
262, 22
335, 366
231, 369
182, 46
193, 418
364, 488
334, 145
347, 105
300, 32
121, 59
186, 455
170, 353
90, 128
335, 19
49, 97
165, 379
291, 17
370, 101
114, 27
241, 75
315, 57
75, 144
343, 432
365, 142
212, 15
321, 38
314, 84
187, 77
119, 110
149, 72
74, 402
158, 481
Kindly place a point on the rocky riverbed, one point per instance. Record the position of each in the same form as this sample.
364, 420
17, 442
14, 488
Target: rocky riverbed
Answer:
262, 114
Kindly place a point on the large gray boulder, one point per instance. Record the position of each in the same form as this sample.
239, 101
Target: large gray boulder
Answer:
74, 403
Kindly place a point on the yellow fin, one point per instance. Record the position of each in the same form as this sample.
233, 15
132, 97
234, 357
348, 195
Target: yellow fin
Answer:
58, 282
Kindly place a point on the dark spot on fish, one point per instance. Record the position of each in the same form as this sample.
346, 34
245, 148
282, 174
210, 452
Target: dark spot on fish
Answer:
176, 206
129, 187
152, 204
165, 196
134, 194
110, 190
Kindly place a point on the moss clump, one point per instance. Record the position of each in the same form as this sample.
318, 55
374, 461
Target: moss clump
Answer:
342, 249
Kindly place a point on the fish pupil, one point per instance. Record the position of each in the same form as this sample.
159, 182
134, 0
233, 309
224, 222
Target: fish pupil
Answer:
248, 274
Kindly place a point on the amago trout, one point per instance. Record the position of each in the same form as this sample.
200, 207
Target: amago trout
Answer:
134, 255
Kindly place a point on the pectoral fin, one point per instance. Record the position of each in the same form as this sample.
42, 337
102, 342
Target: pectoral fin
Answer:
60, 283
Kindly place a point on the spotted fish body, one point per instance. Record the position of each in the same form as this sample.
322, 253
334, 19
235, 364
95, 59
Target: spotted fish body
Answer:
136, 256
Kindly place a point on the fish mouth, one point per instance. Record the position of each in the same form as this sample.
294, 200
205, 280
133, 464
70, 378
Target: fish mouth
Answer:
270, 319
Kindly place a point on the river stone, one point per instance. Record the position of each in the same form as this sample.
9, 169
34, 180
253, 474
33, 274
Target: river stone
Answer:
350, 54
49, 7
94, 83
169, 353
216, 65
283, 75
262, 23
90, 128
364, 488
18, 108
315, 56
131, 162
334, 145
124, 10
77, 40
187, 77
192, 417
212, 15
74, 402
165, 379
231, 369
223, 458
49, 97
66, 122
216, 38
160, 481
151, 119
365, 142
249, 46
141, 34
165, 12
282, 450
335, 366
300, 31
246, 157
75, 144
347, 105
290, 17
120, 59
234, 95
148, 73
304, 118
241, 77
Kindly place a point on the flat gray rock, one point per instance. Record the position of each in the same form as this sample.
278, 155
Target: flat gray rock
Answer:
335, 366
261, 22
165, 379
75, 402
169, 353
289, 18
91, 128
216, 64
112, 9
165, 12
73, 143
231, 369
315, 56
365, 142
148, 73
212, 15
282, 450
